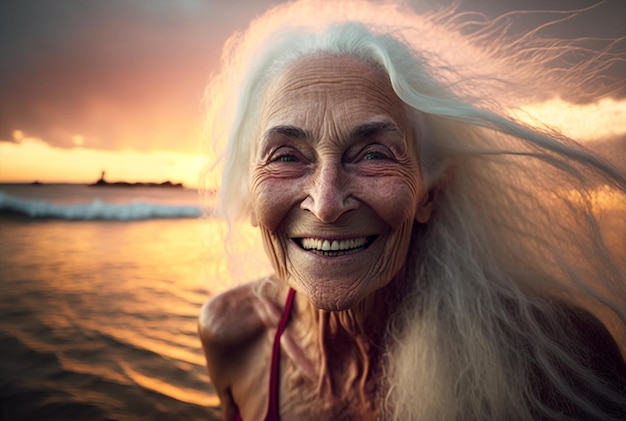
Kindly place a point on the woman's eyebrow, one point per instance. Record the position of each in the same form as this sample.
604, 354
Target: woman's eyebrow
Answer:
374, 129
287, 131
359, 132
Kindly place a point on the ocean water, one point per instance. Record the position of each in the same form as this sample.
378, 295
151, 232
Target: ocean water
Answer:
100, 289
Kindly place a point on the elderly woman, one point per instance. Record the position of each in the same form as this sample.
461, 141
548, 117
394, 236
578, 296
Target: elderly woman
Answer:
431, 254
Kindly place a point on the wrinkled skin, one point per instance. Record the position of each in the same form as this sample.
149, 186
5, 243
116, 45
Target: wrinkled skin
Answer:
336, 160
336, 190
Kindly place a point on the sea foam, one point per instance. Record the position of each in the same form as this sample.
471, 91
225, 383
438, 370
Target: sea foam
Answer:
95, 210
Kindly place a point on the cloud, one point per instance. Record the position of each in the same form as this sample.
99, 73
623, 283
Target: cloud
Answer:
121, 74
605, 118
130, 74
116, 85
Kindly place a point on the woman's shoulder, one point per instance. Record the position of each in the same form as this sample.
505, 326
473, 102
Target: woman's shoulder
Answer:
232, 327
590, 361
238, 315
590, 333
597, 346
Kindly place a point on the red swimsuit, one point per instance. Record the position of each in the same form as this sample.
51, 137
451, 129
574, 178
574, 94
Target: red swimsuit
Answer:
274, 386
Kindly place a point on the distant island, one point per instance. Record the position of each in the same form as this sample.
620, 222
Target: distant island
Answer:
103, 183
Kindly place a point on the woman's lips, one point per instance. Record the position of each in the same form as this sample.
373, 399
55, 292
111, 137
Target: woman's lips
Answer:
330, 247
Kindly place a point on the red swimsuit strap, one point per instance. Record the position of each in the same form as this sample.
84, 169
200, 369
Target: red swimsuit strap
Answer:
272, 407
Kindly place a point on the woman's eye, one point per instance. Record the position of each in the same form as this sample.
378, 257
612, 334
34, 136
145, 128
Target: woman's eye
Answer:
374, 152
372, 156
284, 154
286, 158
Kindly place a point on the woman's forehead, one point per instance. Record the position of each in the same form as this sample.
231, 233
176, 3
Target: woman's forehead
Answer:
330, 84
327, 68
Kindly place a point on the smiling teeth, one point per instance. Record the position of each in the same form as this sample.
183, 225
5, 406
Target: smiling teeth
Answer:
335, 245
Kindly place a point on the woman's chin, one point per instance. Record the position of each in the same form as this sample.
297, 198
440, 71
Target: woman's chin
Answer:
328, 299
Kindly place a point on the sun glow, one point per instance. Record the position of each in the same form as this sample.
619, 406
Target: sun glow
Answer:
34, 160
27, 159
603, 119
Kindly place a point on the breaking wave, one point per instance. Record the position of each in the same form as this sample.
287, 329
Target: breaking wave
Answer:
97, 209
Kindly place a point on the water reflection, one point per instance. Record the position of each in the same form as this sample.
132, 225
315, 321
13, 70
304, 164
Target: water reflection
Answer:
99, 319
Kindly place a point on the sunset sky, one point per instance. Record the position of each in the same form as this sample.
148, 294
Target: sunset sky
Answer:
116, 85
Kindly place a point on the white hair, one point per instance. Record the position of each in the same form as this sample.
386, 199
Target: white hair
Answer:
515, 223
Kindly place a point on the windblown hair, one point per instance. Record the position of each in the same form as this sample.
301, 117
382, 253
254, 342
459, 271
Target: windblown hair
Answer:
515, 225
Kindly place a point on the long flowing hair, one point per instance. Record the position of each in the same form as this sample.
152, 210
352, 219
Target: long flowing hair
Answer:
518, 209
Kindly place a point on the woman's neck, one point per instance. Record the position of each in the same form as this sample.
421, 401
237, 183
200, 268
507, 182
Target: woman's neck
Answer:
345, 347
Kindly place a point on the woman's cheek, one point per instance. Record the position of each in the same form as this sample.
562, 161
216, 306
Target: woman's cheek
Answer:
275, 188
394, 191
272, 199
396, 250
395, 203
275, 248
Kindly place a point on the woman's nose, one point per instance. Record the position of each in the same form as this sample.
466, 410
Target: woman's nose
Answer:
329, 194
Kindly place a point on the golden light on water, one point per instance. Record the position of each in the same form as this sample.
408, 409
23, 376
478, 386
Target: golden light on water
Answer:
198, 397
120, 300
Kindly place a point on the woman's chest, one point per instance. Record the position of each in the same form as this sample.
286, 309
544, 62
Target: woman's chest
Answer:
347, 392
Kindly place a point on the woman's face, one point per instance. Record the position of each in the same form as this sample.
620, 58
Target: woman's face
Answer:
335, 181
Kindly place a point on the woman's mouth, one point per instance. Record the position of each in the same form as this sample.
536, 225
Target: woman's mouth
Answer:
332, 248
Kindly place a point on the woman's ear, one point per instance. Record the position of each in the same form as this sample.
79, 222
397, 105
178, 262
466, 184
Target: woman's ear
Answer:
425, 209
